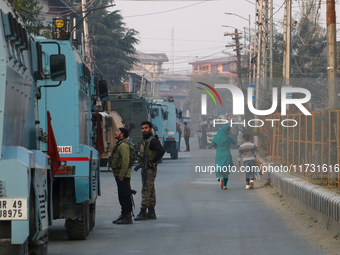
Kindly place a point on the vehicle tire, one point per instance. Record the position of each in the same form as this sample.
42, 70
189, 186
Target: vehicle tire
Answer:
174, 154
92, 215
78, 229
103, 162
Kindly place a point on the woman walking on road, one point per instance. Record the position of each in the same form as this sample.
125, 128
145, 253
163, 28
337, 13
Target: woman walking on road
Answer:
223, 159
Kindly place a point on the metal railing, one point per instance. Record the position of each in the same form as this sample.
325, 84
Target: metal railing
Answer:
311, 148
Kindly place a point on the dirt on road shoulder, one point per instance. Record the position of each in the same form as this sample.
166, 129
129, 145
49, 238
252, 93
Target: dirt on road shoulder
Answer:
298, 220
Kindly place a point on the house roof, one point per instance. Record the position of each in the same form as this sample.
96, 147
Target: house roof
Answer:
222, 60
151, 58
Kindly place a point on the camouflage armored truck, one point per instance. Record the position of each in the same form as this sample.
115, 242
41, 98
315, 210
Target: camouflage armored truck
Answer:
133, 111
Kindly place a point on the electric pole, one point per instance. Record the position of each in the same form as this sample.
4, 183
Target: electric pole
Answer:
86, 33
287, 42
238, 55
271, 40
332, 55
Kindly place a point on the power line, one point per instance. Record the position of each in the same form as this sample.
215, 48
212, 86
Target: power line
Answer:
182, 50
154, 13
198, 58
166, 39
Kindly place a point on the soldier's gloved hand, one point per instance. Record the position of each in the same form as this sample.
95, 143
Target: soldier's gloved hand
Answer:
154, 166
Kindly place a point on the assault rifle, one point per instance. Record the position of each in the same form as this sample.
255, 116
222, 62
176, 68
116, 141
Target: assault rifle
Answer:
143, 164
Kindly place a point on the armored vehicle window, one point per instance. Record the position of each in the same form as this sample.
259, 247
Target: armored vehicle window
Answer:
154, 113
137, 106
58, 67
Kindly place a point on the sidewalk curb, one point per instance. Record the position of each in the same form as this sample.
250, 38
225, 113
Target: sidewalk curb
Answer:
320, 204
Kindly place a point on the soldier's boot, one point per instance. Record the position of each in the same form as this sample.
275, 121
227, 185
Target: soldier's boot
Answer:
118, 219
127, 219
151, 213
141, 215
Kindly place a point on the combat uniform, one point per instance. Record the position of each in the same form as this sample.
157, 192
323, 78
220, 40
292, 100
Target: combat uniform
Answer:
119, 162
153, 150
186, 137
179, 130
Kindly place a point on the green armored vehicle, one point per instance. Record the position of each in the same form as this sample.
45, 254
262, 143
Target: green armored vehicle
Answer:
133, 110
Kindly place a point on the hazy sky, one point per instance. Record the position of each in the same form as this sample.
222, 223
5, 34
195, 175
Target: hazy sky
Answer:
198, 31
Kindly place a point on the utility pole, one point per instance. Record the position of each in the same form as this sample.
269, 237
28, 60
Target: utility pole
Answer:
238, 55
331, 55
238, 59
249, 35
86, 33
287, 42
271, 40
259, 55
265, 46
253, 57
259, 62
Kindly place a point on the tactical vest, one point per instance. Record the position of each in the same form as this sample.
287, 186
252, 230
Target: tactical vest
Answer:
149, 154
115, 161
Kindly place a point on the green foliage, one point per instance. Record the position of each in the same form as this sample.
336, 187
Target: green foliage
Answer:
113, 43
29, 11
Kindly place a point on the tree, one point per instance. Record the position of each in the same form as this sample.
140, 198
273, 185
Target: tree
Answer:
309, 42
29, 11
113, 43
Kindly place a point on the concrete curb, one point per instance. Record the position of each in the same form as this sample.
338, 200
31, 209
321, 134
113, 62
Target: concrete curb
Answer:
320, 204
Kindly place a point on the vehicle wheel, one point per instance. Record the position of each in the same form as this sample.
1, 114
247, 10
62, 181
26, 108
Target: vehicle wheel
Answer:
92, 215
78, 229
103, 162
174, 154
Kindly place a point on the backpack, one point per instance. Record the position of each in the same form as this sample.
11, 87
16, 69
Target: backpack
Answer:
132, 154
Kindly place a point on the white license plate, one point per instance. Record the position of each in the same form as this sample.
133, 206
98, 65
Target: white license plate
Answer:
13, 208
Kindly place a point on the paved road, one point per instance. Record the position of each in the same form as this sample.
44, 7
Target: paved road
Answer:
194, 217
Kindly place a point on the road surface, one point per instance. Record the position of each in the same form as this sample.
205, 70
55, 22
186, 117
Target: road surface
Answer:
194, 217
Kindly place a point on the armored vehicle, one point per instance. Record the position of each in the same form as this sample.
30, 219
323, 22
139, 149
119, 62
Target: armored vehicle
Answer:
69, 95
205, 133
169, 134
133, 111
26, 173
111, 122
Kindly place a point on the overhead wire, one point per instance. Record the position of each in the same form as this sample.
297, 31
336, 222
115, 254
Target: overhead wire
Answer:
160, 12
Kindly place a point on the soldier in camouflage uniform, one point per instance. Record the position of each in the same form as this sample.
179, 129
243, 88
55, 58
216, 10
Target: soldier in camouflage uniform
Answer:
153, 150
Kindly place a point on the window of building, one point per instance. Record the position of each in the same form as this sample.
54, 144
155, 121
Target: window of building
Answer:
205, 68
226, 68
195, 68
214, 68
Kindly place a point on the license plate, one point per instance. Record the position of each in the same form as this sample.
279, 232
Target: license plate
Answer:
13, 208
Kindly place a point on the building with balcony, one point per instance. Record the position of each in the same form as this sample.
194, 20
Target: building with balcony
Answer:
225, 66
147, 70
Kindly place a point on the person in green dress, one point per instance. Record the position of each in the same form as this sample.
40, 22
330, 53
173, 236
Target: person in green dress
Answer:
223, 158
